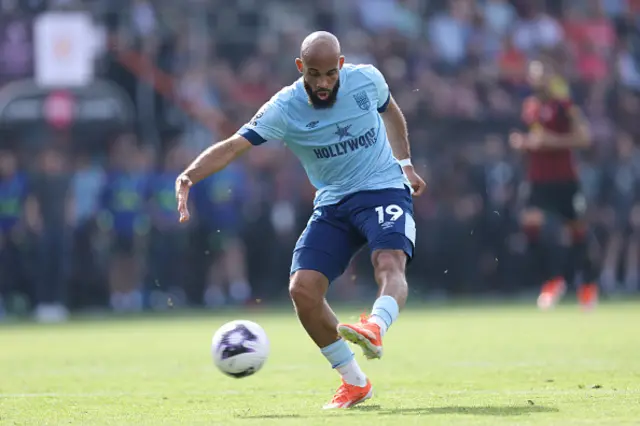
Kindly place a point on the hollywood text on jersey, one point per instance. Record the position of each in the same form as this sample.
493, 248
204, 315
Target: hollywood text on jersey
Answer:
342, 148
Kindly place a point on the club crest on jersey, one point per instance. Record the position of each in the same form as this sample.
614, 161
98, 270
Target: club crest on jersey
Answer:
362, 100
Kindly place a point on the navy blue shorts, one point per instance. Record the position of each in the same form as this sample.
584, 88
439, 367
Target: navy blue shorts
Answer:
334, 234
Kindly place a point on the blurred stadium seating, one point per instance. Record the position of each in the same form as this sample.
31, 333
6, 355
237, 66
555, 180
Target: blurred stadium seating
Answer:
170, 77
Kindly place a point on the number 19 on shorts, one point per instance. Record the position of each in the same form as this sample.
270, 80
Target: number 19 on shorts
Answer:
393, 212
389, 218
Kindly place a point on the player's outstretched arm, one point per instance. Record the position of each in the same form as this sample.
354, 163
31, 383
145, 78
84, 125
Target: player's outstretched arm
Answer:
210, 161
397, 131
579, 137
216, 158
398, 135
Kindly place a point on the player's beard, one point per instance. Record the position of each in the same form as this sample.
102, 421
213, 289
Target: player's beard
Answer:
322, 103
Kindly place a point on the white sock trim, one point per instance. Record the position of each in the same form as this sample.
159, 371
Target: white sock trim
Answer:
352, 374
383, 325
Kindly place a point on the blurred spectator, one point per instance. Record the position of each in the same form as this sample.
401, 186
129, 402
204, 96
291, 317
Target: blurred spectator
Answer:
218, 206
512, 64
144, 18
628, 68
125, 221
13, 225
501, 177
168, 242
613, 8
51, 186
87, 184
536, 31
449, 32
378, 15
356, 47
499, 15
622, 187
592, 67
196, 90
16, 57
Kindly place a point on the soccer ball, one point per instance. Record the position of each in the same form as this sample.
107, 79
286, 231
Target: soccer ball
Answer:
240, 348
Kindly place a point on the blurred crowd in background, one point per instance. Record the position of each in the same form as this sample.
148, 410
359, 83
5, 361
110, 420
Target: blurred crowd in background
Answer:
88, 216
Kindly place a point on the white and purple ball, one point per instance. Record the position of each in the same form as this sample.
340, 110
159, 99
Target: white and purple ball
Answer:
240, 348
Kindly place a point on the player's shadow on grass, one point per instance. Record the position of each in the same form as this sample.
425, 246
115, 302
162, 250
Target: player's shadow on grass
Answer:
498, 411
270, 416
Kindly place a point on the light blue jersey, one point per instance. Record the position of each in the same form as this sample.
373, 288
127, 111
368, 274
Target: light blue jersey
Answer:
344, 149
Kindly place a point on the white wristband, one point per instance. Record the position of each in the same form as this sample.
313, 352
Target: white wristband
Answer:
406, 162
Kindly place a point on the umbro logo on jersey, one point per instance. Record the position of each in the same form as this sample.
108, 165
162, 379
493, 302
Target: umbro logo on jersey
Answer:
312, 125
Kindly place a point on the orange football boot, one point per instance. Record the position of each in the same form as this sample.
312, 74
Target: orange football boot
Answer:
551, 293
349, 395
365, 334
588, 296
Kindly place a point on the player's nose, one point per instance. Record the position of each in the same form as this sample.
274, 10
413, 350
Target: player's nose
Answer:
324, 84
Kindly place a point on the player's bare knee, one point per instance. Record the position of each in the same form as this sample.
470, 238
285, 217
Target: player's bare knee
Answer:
577, 231
532, 218
532, 221
307, 288
388, 263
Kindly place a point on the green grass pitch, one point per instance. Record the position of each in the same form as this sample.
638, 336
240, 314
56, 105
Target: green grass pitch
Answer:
483, 365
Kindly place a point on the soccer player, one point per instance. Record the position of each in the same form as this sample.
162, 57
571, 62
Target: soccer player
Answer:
351, 137
557, 127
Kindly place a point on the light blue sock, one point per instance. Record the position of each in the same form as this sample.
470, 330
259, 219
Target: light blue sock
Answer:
385, 311
338, 353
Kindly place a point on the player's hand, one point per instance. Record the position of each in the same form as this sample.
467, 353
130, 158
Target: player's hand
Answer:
535, 140
518, 141
183, 184
417, 183
526, 142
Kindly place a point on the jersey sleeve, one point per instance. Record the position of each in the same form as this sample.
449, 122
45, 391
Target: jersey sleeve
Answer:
565, 107
382, 88
269, 123
566, 104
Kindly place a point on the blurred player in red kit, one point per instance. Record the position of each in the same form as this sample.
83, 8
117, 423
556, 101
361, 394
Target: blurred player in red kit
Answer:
556, 128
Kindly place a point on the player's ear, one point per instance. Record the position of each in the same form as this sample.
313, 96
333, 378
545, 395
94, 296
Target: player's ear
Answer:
340, 62
299, 64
